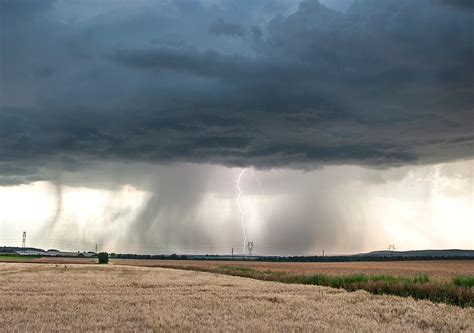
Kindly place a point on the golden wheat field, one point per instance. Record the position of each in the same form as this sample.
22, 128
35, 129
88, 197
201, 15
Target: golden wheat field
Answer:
441, 270
49, 297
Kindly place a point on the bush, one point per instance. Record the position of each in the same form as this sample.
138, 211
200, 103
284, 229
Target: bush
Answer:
103, 258
464, 281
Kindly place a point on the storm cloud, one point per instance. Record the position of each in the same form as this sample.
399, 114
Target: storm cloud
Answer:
381, 84
226, 28
460, 3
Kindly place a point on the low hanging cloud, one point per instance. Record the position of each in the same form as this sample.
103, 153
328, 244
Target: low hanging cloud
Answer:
384, 83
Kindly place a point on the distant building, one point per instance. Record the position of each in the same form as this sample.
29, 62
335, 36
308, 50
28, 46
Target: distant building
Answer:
30, 253
54, 253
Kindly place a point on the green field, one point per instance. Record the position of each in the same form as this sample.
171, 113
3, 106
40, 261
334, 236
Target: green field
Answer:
15, 257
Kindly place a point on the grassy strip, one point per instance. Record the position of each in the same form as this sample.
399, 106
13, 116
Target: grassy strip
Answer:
416, 287
17, 257
458, 292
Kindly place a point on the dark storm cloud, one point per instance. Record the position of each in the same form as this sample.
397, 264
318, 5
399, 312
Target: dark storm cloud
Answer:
468, 4
24, 8
225, 28
384, 83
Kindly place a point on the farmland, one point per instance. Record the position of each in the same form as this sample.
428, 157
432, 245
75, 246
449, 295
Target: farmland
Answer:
42, 297
440, 270
46, 260
437, 281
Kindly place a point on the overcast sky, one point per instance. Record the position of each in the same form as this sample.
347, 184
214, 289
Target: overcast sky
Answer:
128, 123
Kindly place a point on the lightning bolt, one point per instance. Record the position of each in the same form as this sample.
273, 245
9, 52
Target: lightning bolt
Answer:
239, 195
254, 175
239, 204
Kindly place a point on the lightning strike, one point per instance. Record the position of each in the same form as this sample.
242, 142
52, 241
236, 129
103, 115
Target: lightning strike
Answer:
254, 175
239, 204
239, 195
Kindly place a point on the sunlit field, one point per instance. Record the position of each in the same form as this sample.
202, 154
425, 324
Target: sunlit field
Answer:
439, 270
450, 282
52, 297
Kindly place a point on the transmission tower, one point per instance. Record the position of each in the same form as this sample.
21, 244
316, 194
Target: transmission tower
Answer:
23, 243
391, 247
250, 247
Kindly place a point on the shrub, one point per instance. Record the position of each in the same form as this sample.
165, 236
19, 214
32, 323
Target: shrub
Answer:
464, 281
103, 258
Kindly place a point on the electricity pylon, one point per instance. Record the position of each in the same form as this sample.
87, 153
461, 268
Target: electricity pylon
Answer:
250, 247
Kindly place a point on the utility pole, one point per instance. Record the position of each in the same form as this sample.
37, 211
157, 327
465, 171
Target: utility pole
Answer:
23, 243
323, 253
232, 252
95, 248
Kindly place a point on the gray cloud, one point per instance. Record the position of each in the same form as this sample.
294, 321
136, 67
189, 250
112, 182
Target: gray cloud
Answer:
385, 83
227, 29
468, 4
24, 8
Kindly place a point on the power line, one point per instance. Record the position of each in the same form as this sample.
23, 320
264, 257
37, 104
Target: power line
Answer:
132, 248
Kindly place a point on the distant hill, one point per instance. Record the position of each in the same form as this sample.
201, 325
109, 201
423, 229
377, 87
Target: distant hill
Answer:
12, 249
419, 253
385, 255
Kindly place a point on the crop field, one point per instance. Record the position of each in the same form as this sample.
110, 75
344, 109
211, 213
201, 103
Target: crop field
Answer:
440, 270
49, 297
47, 260
438, 281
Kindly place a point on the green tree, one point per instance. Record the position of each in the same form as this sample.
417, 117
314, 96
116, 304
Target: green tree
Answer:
103, 258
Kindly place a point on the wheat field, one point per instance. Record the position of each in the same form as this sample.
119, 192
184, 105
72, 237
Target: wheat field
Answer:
41, 297
443, 270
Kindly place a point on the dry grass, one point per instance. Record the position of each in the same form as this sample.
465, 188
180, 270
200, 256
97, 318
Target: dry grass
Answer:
84, 297
441, 270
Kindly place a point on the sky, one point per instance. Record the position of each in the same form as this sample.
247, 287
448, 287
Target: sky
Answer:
128, 123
